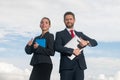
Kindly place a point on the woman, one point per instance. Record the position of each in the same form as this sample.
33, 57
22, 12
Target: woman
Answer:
42, 49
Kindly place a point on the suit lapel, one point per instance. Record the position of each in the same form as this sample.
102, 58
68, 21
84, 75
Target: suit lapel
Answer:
66, 37
67, 34
77, 33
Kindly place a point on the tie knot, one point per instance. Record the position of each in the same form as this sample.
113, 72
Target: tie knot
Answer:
71, 31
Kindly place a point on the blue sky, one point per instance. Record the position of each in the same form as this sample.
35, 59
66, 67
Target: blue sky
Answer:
99, 19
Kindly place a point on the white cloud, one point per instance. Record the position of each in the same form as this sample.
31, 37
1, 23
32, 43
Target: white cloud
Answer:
117, 76
55, 72
102, 69
93, 17
2, 49
98, 69
10, 72
102, 77
2, 33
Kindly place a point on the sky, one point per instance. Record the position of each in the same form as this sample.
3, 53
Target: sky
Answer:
98, 19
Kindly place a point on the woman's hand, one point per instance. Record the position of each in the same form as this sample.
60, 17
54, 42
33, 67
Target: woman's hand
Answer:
35, 45
30, 42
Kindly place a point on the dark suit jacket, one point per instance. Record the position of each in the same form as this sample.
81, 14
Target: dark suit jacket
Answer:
62, 38
41, 54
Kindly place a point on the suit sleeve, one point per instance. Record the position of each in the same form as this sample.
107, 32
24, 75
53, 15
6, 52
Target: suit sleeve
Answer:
49, 50
29, 49
93, 42
60, 47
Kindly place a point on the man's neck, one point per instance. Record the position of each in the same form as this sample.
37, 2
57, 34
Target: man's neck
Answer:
70, 28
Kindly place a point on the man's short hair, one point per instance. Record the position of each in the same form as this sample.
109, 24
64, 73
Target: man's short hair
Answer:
69, 13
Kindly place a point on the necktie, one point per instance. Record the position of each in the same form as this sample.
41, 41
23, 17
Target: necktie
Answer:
72, 34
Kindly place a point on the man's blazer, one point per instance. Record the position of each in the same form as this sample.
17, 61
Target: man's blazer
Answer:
62, 38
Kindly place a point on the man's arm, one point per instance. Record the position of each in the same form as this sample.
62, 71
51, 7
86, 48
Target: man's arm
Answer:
60, 47
85, 40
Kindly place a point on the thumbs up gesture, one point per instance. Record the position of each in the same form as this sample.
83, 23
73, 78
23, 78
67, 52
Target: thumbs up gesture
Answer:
30, 42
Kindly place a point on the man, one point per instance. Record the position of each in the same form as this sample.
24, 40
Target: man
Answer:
71, 69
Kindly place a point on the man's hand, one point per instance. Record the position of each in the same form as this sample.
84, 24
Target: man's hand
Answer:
76, 52
83, 42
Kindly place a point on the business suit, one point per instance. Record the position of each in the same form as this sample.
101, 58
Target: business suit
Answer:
41, 61
66, 65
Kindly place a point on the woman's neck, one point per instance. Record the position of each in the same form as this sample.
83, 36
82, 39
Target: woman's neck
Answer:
43, 32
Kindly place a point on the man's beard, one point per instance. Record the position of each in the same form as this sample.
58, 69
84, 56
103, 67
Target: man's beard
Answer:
70, 26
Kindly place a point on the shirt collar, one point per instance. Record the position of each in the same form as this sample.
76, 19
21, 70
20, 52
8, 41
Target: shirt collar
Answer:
69, 30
